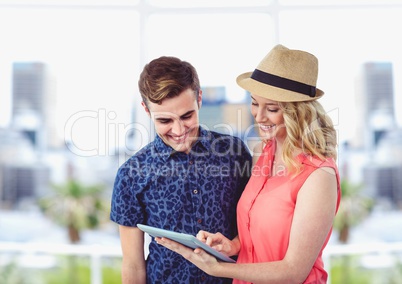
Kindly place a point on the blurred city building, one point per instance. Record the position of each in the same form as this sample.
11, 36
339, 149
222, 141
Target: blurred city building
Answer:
218, 115
34, 104
32, 156
375, 113
377, 148
23, 176
371, 158
383, 175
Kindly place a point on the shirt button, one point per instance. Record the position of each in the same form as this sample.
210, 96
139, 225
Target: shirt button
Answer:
195, 191
191, 162
199, 221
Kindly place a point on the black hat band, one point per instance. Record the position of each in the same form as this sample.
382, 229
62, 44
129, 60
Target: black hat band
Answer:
283, 83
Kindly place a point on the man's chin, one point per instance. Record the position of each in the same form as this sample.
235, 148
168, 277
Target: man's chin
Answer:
181, 148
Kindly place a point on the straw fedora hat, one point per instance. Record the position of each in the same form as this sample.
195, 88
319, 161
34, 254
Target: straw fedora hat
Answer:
284, 75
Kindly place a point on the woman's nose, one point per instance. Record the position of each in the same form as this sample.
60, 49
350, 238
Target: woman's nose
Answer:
260, 115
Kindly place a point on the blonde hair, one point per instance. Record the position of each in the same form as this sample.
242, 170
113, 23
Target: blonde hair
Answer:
310, 130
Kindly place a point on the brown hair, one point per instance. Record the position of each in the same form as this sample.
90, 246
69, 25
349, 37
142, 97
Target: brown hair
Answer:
167, 77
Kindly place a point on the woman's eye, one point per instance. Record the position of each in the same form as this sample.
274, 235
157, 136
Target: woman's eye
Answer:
273, 110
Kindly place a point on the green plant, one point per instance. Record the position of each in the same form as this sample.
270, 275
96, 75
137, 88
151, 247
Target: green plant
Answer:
10, 273
76, 206
353, 209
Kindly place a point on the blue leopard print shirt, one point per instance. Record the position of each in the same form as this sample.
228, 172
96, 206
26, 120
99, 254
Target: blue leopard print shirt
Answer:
184, 193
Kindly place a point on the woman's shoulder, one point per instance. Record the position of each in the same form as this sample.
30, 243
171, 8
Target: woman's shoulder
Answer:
317, 162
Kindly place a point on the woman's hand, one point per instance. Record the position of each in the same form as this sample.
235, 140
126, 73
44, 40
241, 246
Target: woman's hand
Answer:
220, 242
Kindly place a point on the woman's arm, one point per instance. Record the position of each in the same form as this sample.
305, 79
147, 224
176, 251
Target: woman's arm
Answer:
313, 218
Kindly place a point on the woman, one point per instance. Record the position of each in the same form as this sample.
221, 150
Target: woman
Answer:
286, 212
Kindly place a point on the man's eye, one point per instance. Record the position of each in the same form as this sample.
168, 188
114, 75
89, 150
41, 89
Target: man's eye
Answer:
186, 117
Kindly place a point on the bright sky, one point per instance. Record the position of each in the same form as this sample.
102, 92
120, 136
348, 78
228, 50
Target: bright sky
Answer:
94, 56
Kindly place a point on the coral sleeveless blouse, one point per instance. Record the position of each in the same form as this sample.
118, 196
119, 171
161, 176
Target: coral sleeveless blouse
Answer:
265, 212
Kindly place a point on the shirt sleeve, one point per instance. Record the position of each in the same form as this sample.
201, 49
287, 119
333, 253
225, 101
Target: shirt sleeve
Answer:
125, 206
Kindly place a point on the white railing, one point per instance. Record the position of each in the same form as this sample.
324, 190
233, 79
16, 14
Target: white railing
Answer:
96, 252
359, 249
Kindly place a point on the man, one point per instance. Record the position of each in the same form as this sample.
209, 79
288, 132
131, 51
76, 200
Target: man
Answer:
187, 179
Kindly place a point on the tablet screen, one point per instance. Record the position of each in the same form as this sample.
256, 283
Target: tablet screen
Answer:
185, 239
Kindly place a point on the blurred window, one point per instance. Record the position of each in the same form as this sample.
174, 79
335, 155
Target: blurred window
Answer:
209, 3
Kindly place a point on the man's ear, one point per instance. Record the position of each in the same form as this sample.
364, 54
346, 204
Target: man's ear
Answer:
199, 100
146, 108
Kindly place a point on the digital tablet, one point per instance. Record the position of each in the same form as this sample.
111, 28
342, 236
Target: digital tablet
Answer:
185, 239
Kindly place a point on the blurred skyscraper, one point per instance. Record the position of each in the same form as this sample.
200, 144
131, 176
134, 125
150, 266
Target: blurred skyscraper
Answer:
23, 173
377, 135
375, 104
23, 176
34, 104
218, 115
383, 174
